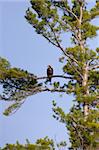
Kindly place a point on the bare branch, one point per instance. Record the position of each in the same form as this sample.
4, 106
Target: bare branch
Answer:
55, 76
60, 47
50, 41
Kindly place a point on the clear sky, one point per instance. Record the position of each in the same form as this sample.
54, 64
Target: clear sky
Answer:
25, 49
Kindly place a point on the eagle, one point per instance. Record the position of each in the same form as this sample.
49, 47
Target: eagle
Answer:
49, 73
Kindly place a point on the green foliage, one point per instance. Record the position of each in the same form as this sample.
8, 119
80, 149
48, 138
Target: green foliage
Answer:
82, 133
41, 144
61, 145
4, 63
56, 84
17, 84
47, 21
44, 18
46, 143
51, 26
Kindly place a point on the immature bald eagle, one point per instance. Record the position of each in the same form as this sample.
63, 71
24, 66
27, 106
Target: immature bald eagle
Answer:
49, 73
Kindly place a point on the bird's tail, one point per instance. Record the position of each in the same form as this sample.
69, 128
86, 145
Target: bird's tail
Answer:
49, 79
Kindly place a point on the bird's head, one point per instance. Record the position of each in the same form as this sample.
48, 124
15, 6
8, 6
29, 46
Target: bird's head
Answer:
49, 66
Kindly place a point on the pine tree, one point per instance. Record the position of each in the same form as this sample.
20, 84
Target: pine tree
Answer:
40, 144
51, 19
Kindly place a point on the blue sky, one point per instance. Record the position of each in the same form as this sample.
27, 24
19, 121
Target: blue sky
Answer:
25, 49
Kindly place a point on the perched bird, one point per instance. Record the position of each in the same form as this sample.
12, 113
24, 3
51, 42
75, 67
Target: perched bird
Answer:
49, 73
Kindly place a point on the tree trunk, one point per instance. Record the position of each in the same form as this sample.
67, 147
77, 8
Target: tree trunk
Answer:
86, 90
86, 109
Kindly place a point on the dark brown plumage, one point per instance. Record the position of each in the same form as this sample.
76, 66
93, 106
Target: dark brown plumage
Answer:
49, 73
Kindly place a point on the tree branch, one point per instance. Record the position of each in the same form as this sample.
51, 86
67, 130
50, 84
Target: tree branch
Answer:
60, 47
94, 67
4, 98
50, 41
81, 14
44, 89
72, 65
55, 76
94, 61
77, 133
70, 11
